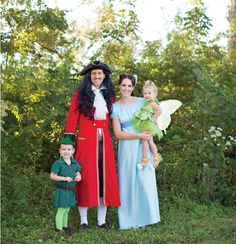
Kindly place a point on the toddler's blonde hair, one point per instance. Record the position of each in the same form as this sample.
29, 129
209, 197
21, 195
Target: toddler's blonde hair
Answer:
150, 83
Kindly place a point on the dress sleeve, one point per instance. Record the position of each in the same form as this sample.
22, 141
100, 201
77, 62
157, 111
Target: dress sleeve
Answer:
78, 167
73, 115
55, 167
114, 112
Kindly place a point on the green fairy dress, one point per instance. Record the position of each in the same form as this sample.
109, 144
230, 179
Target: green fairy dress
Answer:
144, 120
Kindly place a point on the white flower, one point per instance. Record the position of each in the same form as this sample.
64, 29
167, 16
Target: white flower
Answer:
213, 136
205, 165
227, 143
231, 138
204, 138
218, 128
218, 144
212, 128
218, 133
223, 137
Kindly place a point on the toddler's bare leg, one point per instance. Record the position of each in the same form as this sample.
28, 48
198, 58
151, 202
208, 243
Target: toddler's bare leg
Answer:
145, 158
157, 156
153, 147
145, 148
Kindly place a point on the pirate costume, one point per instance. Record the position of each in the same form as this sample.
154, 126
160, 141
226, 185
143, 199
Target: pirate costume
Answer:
94, 151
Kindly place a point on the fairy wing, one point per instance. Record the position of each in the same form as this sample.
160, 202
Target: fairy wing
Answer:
168, 107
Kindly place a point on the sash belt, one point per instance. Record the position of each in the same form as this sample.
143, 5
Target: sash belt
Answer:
126, 123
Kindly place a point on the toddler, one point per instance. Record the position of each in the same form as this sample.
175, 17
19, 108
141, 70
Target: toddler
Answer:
145, 120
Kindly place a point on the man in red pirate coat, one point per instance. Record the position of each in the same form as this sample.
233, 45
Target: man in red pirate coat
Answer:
89, 112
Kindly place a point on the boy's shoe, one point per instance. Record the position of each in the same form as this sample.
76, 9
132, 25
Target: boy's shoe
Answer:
64, 232
68, 230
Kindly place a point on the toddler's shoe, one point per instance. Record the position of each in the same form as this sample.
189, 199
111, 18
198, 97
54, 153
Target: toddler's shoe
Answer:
143, 163
157, 159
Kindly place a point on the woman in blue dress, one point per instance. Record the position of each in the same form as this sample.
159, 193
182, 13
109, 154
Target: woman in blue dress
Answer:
138, 190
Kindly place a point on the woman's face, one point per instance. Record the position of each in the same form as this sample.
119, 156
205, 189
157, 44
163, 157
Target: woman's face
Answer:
126, 87
97, 77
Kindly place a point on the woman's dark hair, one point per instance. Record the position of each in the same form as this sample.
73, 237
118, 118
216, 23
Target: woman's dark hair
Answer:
130, 77
86, 95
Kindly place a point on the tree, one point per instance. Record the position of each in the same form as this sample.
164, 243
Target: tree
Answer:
36, 70
232, 32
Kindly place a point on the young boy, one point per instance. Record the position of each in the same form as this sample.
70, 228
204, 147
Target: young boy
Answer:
65, 171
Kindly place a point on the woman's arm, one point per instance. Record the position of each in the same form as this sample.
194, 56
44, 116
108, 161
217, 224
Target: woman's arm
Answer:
125, 135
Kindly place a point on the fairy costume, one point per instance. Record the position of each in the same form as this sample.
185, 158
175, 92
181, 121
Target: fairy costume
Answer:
144, 120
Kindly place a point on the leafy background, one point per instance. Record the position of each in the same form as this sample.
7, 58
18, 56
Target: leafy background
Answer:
42, 55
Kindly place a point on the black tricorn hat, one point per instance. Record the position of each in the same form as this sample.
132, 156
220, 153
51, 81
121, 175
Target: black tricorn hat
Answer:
96, 65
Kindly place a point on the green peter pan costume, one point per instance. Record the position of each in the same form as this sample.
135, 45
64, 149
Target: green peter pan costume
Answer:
65, 193
144, 120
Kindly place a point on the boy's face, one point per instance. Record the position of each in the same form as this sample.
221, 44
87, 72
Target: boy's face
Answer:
66, 151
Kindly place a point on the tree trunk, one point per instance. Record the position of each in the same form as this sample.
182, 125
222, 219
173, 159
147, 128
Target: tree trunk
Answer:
232, 31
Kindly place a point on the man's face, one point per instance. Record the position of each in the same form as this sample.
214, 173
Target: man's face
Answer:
97, 77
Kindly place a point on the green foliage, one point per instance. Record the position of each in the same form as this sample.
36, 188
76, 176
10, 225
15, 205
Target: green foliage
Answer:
42, 53
33, 29
37, 114
3, 113
117, 37
199, 168
37, 85
195, 72
28, 217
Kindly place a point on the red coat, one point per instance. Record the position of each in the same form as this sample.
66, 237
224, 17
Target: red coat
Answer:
87, 190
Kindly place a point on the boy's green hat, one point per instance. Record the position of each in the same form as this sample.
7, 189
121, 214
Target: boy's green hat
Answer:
66, 141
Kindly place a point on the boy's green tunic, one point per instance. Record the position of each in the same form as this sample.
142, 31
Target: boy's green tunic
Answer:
64, 193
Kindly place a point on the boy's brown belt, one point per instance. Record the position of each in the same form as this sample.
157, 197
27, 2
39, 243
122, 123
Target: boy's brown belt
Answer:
65, 187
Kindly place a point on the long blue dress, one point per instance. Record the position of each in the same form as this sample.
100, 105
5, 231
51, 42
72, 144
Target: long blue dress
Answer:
138, 190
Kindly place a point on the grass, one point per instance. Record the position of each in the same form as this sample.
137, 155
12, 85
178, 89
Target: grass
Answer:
182, 222
28, 218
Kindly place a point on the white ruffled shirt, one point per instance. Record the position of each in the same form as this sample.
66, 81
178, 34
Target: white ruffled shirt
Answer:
99, 103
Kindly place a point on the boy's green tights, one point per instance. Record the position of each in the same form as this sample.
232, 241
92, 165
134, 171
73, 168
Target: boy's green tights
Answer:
62, 218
